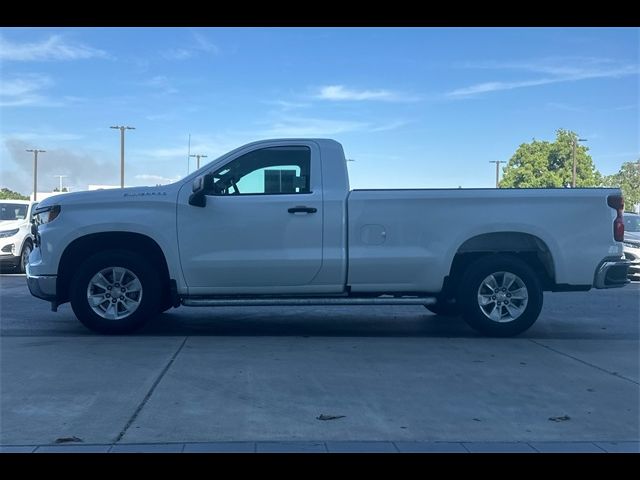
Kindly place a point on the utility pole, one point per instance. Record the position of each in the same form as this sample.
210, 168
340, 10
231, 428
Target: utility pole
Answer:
188, 154
497, 162
60, 177
35, 171
122, 129
575, 143
198, 157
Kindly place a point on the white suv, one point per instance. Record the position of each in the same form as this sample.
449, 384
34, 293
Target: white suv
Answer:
16, 241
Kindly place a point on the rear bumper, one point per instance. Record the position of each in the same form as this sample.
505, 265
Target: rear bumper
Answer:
611, 273
42, 286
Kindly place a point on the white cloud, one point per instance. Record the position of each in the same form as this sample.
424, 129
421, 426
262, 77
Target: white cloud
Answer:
167, 152
53, 48
161, 83
342, 93
556, 71
26, 91
44, 136
204, 45
156, 179
178, 54
287, 105
200, 44
389, 126
159, 117
312, 127
563, 106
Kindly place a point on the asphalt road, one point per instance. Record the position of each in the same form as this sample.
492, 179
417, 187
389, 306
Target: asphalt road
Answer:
255, 374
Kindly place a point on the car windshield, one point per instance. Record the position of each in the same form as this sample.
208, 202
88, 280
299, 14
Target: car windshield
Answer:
13, 211
632, 223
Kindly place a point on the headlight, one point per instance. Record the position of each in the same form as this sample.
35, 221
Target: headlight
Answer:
46, 214
631, 245
9, 233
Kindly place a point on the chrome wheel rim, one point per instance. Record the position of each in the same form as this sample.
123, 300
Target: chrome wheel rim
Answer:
502, 297
114, 293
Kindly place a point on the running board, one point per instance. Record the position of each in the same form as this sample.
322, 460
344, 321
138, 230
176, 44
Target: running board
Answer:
303, 301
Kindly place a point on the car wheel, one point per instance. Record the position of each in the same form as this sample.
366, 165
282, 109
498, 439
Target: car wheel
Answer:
500, 296
115, 292
24, 256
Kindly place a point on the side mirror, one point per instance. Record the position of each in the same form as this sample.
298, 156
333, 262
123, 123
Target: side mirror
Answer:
198, 189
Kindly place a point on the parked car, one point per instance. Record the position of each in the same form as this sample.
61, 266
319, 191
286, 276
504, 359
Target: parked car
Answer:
632, 243
16, 240
275, 223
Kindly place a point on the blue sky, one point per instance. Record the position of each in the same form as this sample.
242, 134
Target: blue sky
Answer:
415, 107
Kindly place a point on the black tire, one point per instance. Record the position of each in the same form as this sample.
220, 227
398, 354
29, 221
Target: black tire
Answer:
165, 305
150, 301
444, 309
469, 290
24, 256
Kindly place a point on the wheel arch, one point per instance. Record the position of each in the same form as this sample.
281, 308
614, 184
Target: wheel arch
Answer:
528, 247
84, 247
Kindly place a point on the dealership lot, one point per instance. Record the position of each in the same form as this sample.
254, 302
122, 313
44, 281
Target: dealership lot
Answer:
390, 374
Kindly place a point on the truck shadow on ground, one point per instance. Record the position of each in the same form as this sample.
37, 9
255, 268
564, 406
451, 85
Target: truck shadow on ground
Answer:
307, 324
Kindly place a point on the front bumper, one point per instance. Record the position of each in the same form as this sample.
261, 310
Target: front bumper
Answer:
42, 286
611, 273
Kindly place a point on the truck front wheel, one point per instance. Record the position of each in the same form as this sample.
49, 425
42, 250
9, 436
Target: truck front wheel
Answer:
500, 296
115, 292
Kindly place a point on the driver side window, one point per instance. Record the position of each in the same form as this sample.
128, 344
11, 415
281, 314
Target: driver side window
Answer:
268, 171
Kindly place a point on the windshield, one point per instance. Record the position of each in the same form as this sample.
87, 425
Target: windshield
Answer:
632, 223
13, 211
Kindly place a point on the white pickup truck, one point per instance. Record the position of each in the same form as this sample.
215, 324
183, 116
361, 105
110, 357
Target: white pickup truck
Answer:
275, 223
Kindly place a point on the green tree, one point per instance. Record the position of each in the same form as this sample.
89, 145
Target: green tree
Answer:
545, 164
628, 179
6, 194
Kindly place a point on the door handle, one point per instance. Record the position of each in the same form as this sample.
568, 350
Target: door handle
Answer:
302, 210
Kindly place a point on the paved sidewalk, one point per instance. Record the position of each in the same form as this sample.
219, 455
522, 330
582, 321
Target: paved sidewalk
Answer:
335, 447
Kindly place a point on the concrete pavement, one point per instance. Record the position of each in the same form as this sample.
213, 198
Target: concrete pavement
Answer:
336, 447
399, 378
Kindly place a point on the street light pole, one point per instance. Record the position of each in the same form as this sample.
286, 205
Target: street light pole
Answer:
575, 143
497, 162
60, 177
35, 171
122, 129
198, 157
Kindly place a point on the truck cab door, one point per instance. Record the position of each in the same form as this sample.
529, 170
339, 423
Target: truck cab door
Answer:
261, 227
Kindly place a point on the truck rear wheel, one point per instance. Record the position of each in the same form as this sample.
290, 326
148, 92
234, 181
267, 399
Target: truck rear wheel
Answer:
500, 296
115, 292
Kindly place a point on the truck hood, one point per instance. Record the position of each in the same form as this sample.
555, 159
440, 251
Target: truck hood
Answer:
11, 224
113, 195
